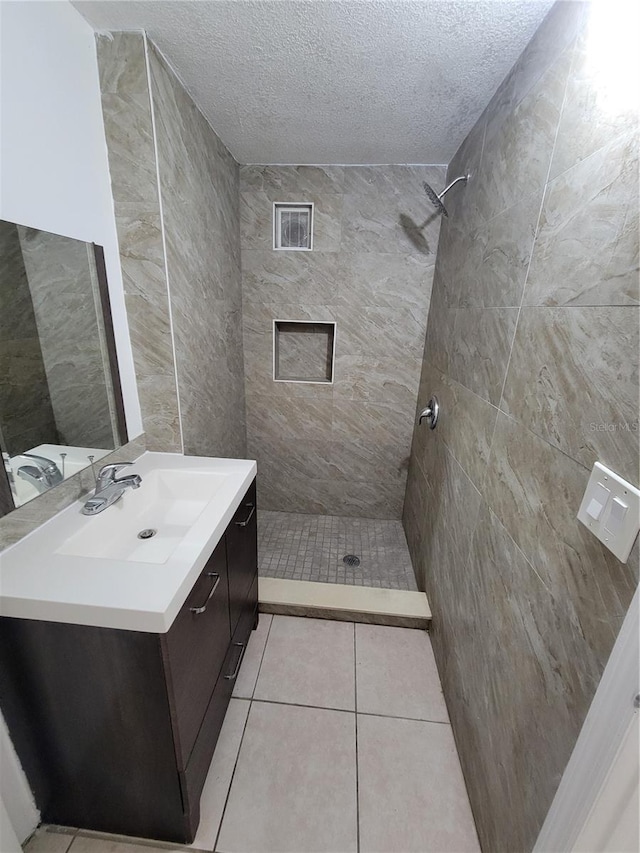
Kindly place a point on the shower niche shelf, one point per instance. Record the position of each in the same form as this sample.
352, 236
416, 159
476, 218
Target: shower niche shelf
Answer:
303, 351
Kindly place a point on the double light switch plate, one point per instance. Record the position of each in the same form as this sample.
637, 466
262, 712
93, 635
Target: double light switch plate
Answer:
610, 509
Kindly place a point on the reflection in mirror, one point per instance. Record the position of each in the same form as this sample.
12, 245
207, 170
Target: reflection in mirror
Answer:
60, 398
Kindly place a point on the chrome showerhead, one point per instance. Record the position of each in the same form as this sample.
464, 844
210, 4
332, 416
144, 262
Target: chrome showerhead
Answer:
435, 199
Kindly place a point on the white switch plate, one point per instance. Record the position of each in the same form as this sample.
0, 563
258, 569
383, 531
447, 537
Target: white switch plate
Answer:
626, 524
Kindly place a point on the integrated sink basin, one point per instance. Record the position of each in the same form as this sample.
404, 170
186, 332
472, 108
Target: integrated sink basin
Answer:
168, 503
94, 570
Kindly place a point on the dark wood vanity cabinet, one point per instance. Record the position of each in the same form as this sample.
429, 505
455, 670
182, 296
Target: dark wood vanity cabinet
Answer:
242, 547
116, 729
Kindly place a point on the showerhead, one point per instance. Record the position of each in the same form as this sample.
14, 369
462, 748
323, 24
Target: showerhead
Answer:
436, 200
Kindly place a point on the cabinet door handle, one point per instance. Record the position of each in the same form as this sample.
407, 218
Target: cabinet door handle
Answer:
198, 610
248, 518
237, 669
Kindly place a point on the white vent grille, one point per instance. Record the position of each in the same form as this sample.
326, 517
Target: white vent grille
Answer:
293, 227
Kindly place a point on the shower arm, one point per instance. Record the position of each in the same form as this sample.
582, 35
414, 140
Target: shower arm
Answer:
464, 178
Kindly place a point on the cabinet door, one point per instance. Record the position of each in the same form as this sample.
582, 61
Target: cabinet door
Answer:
194, 649
242, 553
88, 714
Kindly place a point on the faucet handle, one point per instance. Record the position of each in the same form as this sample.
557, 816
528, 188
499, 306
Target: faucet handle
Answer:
108, 472
431, 413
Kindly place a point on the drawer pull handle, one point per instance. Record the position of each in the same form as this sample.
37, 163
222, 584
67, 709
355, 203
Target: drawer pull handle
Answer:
237, 669
248, 518
198, 610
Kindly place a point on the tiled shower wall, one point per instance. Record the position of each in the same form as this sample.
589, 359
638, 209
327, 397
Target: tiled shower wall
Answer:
339, 449
532, 349
177, 216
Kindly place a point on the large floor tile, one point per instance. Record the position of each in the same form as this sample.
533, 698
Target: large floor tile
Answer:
45, 841
294, 789
218, 781
308, 662
248, 675
411, 793
396, 674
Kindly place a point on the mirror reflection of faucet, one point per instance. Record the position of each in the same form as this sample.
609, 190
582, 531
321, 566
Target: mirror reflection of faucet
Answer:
110, 488
41, 472
45, 466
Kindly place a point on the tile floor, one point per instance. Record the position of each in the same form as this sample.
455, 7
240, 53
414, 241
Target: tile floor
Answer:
311, 548
336, 740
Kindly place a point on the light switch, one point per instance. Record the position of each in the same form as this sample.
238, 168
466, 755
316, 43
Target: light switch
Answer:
616, 517
610, 509
598, 501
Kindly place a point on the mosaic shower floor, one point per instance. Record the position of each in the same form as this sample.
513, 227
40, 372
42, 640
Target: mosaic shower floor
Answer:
311, 548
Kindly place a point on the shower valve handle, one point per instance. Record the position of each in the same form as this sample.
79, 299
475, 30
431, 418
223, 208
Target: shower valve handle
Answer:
430, 413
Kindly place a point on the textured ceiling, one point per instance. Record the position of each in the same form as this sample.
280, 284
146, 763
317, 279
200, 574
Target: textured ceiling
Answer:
334, 81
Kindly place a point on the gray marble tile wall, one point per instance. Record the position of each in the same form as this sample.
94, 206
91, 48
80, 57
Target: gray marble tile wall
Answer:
177, 216
26, 413
339, 449
199, 182
61, 275
126, 109
532, 349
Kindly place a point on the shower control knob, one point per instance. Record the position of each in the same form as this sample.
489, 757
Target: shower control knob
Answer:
431, 413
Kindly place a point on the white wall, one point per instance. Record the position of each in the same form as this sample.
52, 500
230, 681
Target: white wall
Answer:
54, 175
596, 806
54, 172
8, 840
17, 806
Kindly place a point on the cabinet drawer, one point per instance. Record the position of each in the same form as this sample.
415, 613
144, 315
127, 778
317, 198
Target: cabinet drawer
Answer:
242, 553
194, 649
203, 750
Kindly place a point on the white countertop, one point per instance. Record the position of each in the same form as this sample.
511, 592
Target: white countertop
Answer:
37, 582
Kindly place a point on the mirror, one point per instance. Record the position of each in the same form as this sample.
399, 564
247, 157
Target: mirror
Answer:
60, 398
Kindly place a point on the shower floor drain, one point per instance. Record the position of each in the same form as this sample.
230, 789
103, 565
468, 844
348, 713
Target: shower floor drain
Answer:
351, 560
147, 533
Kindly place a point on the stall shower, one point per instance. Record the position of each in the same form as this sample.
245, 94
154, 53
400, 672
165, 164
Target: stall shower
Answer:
333, 442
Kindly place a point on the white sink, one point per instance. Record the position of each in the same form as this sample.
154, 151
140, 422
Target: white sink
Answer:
168, 502
93, 570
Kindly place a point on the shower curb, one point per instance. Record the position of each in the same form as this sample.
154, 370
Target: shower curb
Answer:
344, 602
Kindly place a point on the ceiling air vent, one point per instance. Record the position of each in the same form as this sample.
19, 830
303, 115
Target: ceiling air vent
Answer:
293, 227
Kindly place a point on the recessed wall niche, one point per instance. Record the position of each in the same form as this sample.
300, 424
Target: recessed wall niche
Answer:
303, 351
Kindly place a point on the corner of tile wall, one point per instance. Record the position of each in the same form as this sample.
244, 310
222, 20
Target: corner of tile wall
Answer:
162, 155
129, 132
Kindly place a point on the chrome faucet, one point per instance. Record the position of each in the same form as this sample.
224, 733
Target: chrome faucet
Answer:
41, 472
110, 488
34, 476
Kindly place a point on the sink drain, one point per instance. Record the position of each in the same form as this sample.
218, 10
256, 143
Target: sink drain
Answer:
351, 560
147, 533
